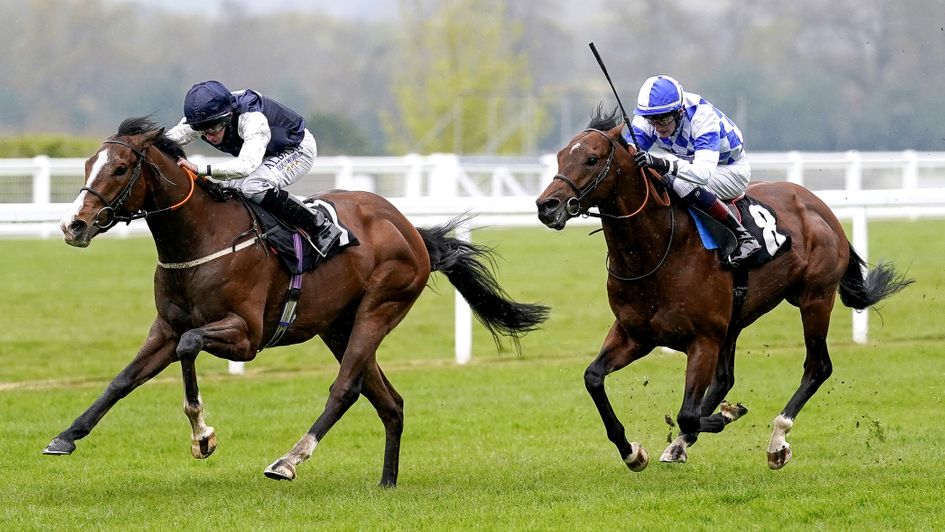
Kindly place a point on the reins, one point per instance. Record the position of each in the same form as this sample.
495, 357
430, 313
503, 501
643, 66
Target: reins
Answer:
110, 210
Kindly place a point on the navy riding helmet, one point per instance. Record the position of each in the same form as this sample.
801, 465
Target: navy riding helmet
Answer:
206, 104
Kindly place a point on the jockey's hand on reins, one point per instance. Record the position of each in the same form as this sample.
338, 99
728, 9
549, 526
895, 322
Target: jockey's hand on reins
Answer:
646, 160
215, 190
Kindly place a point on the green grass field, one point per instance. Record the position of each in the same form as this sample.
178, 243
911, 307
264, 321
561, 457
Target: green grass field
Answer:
507, 442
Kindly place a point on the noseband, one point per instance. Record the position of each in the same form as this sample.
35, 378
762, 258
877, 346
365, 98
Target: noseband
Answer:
108, 216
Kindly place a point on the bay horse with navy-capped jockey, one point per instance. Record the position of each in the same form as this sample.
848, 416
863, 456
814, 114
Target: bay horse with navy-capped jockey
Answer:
666, 289
228, 303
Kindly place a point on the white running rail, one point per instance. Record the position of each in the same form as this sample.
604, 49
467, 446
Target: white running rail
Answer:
858, 186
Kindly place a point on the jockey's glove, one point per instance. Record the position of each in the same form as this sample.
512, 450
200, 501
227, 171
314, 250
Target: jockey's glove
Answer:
216, 191
661, 165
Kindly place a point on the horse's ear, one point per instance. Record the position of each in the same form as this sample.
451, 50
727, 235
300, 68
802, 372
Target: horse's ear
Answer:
623, 135
148, 138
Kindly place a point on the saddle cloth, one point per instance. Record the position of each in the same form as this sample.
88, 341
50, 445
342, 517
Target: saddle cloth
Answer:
278, 236
759, 219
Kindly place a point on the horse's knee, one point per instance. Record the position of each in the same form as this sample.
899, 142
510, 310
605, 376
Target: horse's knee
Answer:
593, 379
819, 371
191, 342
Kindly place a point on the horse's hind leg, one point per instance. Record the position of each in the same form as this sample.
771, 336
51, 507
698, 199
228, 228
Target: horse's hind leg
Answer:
722, 383
618, 351
227, 337
382, 395
815, 315
370, 327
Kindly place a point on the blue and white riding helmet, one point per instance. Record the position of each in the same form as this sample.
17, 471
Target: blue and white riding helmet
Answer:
659, 95
207, 103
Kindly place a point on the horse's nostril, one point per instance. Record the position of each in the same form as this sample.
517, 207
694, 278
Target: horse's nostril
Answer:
76, 226
548, 205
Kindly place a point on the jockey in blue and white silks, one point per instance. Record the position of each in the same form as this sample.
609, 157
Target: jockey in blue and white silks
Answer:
696, 148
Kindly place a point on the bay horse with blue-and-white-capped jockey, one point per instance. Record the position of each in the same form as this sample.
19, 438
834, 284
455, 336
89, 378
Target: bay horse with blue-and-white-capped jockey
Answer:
666, 289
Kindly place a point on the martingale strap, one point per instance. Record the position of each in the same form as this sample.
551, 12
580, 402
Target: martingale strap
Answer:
291, 297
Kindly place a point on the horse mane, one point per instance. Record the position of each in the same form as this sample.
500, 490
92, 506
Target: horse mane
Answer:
605, 121
144, 124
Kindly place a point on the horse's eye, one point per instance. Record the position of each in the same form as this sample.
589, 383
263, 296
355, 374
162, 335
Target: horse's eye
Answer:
120, 171
592, 160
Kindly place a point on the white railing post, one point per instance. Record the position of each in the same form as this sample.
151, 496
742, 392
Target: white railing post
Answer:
463, 314
795, 171
236, 368
345, 176
853, 176
861, 318
42, 176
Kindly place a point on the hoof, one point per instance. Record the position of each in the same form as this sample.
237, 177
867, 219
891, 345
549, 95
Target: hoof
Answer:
59, 446
674, 454
204, 447
280, 470
732, 412
638, 459
780, 458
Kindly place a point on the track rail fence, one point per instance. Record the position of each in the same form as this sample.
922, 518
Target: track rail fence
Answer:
501, 191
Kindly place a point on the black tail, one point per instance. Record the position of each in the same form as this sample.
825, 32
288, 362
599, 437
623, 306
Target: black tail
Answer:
859, 292
469, 267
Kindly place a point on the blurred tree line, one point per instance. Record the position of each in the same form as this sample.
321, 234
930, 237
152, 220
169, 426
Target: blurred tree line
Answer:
488, 76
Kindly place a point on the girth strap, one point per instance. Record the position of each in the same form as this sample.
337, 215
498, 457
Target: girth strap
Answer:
291, 298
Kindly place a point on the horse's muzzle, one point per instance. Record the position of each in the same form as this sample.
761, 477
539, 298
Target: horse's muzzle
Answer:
553, 213
77, 232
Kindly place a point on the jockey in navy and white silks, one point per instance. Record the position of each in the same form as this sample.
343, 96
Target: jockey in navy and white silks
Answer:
271, 146
698, 150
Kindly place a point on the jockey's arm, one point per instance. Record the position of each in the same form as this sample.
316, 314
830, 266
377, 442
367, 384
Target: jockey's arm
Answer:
182, 133
253, 128
706, 134
703, 164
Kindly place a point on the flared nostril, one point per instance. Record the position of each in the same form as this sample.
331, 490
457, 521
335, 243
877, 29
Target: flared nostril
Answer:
548, 205
77, 226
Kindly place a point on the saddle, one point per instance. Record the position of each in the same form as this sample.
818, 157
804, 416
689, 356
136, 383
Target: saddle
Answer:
759, 219
285, 241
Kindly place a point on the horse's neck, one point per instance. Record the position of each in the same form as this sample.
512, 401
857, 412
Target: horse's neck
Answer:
640, 241
199, 226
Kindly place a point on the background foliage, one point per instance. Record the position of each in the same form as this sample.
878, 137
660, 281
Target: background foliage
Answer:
487, 76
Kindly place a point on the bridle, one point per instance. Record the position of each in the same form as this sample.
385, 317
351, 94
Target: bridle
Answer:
108, 216
573, 205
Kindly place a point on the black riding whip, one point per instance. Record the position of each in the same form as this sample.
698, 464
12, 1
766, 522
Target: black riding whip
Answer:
626, 119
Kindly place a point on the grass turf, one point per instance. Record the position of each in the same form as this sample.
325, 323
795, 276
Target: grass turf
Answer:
507, 442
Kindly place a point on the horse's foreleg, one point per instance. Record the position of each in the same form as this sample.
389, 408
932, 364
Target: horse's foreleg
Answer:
701, 364
227, 337
618, 351
815, 315
155, 355
722, 383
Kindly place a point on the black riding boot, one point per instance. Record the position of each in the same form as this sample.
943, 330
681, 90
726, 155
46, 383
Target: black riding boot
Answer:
747, 244
321, 233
